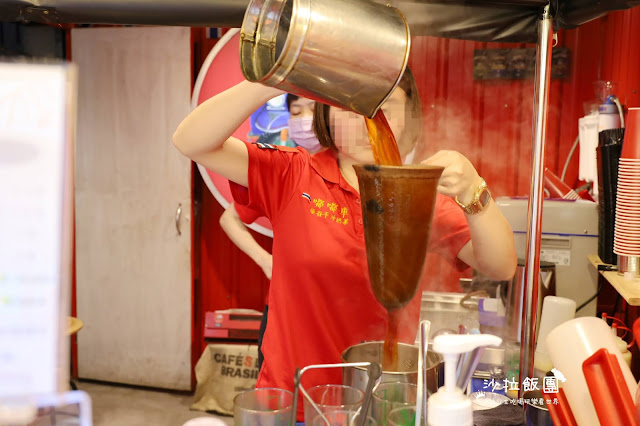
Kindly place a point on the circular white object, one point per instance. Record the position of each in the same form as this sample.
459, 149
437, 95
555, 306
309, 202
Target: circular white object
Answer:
205, 421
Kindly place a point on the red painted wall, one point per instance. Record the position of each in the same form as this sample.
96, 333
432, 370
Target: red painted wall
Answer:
488, 121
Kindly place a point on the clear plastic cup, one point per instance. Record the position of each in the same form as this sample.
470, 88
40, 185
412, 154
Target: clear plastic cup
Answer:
402, 416
339, 418
264, 406
389, 396
331, 398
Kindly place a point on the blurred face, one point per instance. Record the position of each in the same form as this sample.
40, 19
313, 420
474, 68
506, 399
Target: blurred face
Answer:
301, 124
350, 134
301, 107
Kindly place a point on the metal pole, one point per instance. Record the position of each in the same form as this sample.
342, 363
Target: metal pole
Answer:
534, 218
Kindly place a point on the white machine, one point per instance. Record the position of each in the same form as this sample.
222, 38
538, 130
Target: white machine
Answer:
569, 235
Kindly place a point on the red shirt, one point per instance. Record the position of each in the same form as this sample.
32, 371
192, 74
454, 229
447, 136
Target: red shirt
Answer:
321, 301
246, 214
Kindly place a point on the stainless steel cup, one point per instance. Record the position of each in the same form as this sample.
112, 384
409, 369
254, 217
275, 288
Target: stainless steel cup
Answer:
348, 54
407, 365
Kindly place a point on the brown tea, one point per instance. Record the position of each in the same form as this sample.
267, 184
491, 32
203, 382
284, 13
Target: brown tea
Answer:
397, 208
383, 143
385, 152
390, 354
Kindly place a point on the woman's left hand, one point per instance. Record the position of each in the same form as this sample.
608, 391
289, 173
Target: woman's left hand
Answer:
459, 178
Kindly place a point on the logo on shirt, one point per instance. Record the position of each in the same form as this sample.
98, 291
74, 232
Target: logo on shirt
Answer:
306, 196
328, 210
266, 146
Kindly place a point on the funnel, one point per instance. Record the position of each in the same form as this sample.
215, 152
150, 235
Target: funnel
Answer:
397, 208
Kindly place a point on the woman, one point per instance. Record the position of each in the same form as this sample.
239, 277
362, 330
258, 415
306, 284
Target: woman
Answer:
234, 218
321, 301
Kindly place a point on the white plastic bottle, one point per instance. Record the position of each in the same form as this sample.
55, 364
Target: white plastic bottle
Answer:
450, 406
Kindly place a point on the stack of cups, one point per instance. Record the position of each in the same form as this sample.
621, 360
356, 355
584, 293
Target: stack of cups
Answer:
608, 156
626, 242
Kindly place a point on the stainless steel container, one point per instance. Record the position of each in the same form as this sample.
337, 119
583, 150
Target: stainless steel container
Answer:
407, 365
629, 264
515, 297
348, 54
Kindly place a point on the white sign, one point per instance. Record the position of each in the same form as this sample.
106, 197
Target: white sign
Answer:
35, 226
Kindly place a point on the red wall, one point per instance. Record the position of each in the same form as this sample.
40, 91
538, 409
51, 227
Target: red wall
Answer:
488, 121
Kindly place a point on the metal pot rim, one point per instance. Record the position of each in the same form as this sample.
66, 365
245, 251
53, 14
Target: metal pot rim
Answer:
398, 373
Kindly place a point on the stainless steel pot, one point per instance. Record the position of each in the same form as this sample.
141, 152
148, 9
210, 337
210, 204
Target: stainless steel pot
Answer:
407, 365
349, 54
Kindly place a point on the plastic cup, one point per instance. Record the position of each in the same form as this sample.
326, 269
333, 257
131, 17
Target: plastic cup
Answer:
627, 240
625, 233
630, 203
635, 251
622, 219
331, 398
634, 247
631, 144
389, 396
628, 224
402, 416
622, 242
627, 216
264, 406
628, 208
340, 418
629, 193
630, 228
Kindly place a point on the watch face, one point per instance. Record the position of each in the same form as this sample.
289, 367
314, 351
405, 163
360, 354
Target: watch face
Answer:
484, 198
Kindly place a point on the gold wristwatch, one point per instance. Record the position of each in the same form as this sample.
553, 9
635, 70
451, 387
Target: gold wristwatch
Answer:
480, 200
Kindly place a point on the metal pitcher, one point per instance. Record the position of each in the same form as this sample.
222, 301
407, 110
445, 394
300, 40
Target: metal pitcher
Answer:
349, 54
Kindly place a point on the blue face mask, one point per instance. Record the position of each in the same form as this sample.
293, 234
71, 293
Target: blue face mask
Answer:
301, 132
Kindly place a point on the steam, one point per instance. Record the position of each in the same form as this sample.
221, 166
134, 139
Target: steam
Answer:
494, 145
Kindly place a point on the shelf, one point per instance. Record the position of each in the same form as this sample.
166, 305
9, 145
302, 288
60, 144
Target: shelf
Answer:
629, 289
